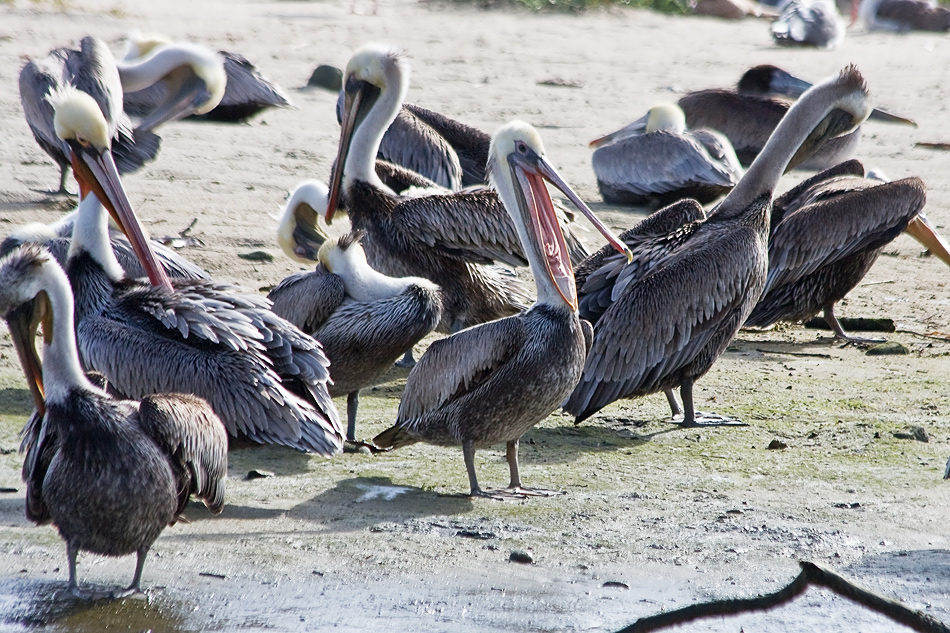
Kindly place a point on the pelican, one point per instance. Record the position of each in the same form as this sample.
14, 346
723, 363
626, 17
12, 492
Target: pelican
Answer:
262, 376
827, 232
110, 474
809, 23
672, 315
443, 238
654, 160
92, 69
57, 236
748, 116
446, 151
364, 320
901, 15
244, 90
492, 382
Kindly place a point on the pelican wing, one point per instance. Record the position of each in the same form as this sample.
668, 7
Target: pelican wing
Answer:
794, 198
472, 225
747, 121
247, 86
659, 162
39, 445
188, 431
651, 241
412, 143
308, 299
662, 323
457, 365
399, 179
841, 217
470, 144
37, 80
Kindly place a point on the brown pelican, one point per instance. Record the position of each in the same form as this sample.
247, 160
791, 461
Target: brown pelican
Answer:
110, 474
246, 92
364, 320
748, 115
444, 238
672, 315
447, 152
492, 382
654, 160
827, 233
264, 378
901, 15
809, 23
56, 238
92, 69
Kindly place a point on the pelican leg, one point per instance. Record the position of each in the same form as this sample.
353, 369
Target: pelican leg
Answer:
407, 361
72, 589
835, 326
468, 452
352, 404
514, 490
134, 588
693, 419
674, 405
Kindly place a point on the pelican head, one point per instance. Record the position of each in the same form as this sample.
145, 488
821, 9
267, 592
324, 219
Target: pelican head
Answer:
665, 117
298, 231
344, 254
24, 303
194, 75
81, 126
517, 168
374, 86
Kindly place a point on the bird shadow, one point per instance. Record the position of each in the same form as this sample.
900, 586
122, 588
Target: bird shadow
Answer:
245, 457
359, 503
563, 444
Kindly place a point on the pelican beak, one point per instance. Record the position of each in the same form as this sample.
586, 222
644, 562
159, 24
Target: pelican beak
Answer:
308, 236
96, 172
922, 231
530, 171
836, 123
883, 115
358, 100
636, 128
187, 94
23, 322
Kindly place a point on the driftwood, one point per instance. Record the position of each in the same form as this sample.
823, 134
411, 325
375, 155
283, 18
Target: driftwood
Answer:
812, 574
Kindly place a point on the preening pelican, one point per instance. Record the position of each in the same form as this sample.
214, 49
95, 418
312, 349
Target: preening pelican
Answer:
110, 474
901, 15
444, 238
447, 152
492, 382
264, 378
749, 115
654, 160
246, 92
57, 236
92, 69
364, 320
827, 233
809, 23
673, 314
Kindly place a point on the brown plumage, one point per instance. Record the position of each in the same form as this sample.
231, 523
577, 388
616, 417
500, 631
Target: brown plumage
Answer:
110, 474
672, 315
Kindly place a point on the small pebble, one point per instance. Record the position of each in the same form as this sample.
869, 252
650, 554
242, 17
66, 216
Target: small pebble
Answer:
616, 584
326, 76
777, 445
518, 556
258, 474
257, 256
887, 349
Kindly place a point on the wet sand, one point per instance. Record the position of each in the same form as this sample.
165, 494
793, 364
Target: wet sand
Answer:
653, 517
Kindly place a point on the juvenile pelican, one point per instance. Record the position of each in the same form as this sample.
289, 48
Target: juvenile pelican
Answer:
444, 238
263, 377
246, 92
673, 314
749, 115
809, 23
92, 69
901, 15
827, 233
492, 382
110, 474
654, 160
364, 320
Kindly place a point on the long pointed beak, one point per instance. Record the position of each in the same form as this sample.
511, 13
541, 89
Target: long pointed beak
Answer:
886, 117
633, 129
23, 327
191, 95
97, 173
550, 174
351, 107
922, 231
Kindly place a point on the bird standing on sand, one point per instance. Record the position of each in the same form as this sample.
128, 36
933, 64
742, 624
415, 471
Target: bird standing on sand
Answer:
490, 383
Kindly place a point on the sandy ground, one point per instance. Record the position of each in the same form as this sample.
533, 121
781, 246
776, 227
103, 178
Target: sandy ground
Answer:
360, 542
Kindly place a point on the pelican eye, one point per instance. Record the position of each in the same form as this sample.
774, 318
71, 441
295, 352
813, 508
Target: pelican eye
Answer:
521, 147
83, 142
